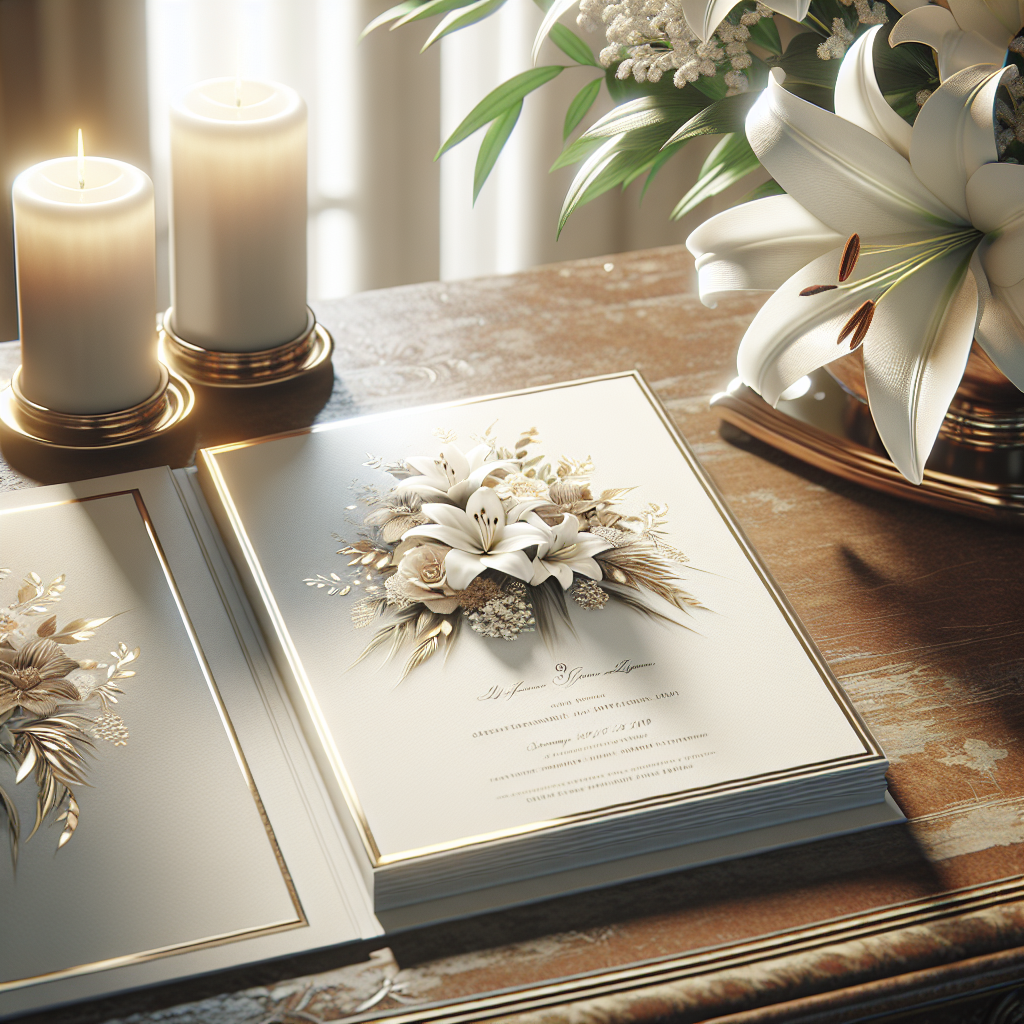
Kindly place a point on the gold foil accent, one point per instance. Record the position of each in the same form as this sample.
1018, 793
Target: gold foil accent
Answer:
210, 472
245, 369
300, 919
168, 405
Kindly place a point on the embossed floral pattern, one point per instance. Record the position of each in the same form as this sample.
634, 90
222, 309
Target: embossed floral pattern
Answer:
52, 706
496, 538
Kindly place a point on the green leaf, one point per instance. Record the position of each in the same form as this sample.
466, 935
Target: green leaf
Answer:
764, 33
645, 112
802, 63
659, 161
457, 19
581, 103
722, 116
572, 46
508, 94
731, 160
398, 11
576, 151
768, 188
494, 141
713, 86
594, 177
551, 16
430, 8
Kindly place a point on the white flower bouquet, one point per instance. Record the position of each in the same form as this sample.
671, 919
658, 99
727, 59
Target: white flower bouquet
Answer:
893, 134
499, 539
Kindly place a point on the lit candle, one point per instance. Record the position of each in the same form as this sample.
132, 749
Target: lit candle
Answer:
238, 215
85, 244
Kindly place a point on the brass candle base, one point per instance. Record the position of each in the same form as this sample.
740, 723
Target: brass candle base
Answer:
302, 355
54, 446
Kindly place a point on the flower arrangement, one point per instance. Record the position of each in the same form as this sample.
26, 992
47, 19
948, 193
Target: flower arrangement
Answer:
893, 133
53, 706
499, 540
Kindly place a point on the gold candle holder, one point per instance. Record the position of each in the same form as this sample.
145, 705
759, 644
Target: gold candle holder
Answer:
302, 355
54, 447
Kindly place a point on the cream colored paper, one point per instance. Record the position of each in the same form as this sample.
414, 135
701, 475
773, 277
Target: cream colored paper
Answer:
508, 736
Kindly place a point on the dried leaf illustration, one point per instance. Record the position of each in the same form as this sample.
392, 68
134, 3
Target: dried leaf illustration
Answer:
79, 630
365, 611
420, 654
70, 819
50, 702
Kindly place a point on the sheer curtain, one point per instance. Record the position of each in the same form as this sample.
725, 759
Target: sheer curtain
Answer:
381, 212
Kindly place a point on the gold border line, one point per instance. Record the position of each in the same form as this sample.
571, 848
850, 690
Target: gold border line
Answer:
196, 944
872, 751
292, 655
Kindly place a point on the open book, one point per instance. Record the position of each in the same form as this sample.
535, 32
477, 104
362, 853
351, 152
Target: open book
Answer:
389, 671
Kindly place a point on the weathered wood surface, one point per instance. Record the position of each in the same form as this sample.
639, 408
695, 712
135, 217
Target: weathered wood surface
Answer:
920, 614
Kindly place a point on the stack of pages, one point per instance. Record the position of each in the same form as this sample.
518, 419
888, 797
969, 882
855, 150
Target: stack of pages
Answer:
389, 671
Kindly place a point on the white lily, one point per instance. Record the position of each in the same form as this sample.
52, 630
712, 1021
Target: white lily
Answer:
480, 538
452, 475
965, 33
704, 16
565, 551
940, 237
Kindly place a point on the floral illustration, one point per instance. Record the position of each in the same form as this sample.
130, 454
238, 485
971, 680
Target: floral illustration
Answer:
53, 706
500, 540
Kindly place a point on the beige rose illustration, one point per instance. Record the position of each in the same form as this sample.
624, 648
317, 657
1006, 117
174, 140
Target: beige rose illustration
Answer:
422, 577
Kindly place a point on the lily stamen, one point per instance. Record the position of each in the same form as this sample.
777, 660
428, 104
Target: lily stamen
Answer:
858, 325
850, 256
817, 289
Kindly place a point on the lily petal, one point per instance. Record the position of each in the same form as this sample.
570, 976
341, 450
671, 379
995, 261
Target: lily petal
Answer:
477, 456
995, 197
421, 485
840, 173
513, 563
522, 508
461, 568
587, 567
447, 515
915, 354
587, 545
859, 100
1000, 327
997, 21
954, 47
446, 535
954, 134
517, 537
426, 466
756, 246
794, 334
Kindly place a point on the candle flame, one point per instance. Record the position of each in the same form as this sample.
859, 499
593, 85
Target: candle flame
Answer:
238, 72
81, 160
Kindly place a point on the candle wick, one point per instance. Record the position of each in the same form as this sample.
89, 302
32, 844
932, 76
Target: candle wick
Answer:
81, 160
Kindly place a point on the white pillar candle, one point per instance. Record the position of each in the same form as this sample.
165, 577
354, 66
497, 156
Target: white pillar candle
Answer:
238, 215
86, 272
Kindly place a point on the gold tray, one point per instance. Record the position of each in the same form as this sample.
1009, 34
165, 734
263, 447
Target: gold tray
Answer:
831, 429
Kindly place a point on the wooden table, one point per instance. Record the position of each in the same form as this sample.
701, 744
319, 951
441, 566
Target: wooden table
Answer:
920, 614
